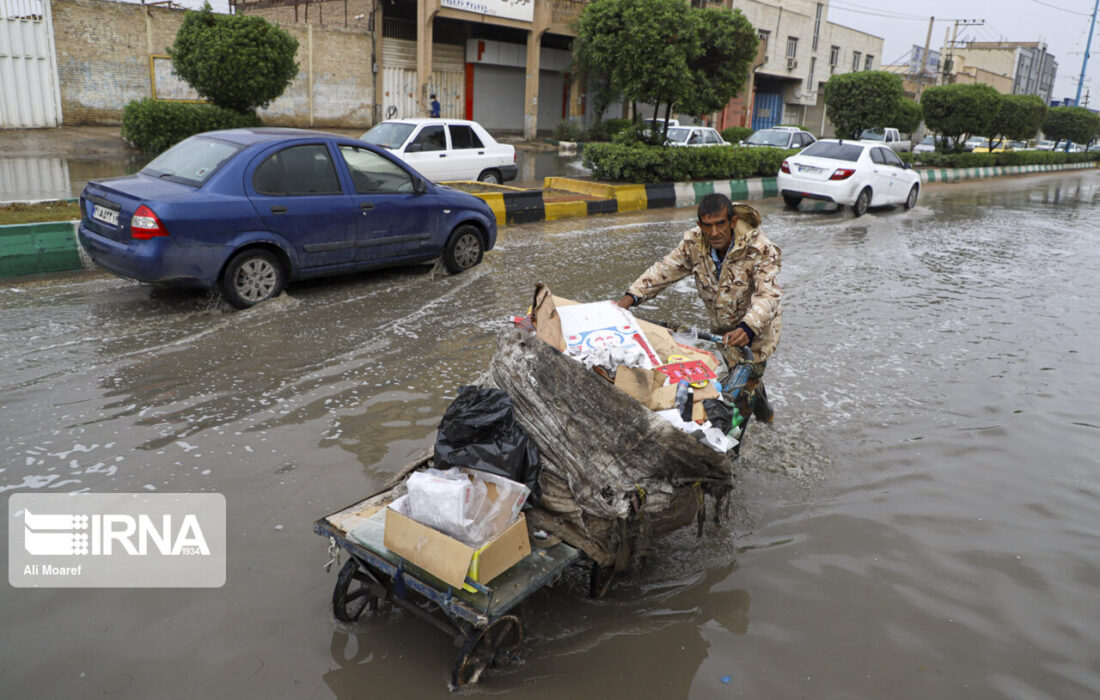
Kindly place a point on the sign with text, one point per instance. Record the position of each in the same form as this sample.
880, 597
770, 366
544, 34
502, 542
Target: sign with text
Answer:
116, 540
523, 10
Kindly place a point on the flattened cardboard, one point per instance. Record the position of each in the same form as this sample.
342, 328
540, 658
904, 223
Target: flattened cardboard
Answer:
649, 391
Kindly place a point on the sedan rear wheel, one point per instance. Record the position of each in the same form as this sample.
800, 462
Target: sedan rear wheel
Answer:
252, 276
489, 177
464, 249
862, 202
792, 201
911, 200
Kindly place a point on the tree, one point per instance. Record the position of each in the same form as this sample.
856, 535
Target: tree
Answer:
238, 62
864, 100
727, 45
957, 111
1019, 118
642, 46
908, 116
1076, 124
664, 52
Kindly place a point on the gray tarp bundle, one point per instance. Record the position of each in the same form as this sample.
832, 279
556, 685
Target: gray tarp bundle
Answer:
613, 473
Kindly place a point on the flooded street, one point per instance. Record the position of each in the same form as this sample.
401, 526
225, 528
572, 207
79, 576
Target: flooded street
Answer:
919, 522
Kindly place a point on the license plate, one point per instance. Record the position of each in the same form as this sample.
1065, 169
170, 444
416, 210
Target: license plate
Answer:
107, 216
810, 170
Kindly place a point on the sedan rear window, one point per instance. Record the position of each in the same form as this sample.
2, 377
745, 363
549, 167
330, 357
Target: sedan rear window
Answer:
388, 134
835, 151
767, 137
191, 161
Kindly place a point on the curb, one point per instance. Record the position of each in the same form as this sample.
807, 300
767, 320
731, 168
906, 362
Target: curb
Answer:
38, 248
593, 198
956, 174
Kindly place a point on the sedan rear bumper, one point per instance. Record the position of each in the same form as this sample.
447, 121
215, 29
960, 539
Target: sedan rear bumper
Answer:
150, 260
508, 172
839, 191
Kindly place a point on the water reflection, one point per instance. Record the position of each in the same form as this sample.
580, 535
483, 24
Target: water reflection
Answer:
36, 178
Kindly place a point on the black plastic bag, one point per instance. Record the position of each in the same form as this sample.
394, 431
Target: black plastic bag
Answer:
479, 431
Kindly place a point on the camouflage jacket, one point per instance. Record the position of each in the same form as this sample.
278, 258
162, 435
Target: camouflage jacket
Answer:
747, 291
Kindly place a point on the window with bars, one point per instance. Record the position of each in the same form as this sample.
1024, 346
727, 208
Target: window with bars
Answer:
868, 61
792, 47
810, 77
856, 55
834, 58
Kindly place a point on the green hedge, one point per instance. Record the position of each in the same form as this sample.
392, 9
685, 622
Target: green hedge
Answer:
736, 134
640, 163
936, 159
154, 126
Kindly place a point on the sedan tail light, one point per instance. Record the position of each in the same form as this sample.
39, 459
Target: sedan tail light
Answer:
145, 224
842, 174
785, 168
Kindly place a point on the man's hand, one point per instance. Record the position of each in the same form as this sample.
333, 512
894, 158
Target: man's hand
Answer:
626, 302
737, 338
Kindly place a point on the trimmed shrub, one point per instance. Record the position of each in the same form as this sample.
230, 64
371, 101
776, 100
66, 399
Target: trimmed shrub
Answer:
154, 126
567, 131
641, 163
606, 129
736, 134
981, 160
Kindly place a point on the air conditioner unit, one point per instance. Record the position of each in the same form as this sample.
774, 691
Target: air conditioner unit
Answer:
791, 64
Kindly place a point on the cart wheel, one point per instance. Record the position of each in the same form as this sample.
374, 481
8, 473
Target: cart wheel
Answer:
496, 645
599, 580
356, 590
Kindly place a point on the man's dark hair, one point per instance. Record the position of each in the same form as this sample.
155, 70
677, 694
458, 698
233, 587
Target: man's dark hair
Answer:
715, 203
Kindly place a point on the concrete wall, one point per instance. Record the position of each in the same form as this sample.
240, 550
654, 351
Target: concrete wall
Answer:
103, 57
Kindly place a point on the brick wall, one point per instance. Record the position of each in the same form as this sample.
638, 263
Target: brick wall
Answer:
103, 51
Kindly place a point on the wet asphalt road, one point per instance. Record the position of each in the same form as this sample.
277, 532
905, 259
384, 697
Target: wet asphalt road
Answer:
919, 522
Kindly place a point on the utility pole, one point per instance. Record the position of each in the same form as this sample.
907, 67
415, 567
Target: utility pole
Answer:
924, 56
1085, 62
949, 63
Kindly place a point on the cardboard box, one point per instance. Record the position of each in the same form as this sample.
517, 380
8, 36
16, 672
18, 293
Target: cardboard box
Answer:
449, 559
647, 386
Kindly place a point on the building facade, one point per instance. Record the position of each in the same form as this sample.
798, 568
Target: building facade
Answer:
506, 63
1012, 67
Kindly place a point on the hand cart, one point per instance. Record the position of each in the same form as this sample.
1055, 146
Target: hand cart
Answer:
478, 615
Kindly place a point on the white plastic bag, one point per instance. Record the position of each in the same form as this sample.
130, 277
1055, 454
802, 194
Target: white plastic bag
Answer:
448, 501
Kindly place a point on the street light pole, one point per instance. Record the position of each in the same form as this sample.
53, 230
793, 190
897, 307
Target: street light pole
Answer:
1085, 62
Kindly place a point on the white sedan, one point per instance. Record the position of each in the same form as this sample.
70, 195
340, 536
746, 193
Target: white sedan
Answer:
446, 149
694, 136
851, 173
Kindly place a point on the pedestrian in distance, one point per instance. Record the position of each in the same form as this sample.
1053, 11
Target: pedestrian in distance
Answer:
735, 268
434, 107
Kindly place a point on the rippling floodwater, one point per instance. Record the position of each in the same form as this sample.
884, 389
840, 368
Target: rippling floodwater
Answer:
920, 521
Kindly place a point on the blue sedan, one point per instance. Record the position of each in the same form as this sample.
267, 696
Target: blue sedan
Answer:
244, 211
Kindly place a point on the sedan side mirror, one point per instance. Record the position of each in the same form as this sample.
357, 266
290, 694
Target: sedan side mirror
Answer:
908, 166
419, 185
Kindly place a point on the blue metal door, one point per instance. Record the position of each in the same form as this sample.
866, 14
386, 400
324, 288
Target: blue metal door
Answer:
767, 110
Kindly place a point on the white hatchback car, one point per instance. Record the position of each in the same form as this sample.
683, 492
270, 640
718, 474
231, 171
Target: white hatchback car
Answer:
850, 173
694, 136
446, 149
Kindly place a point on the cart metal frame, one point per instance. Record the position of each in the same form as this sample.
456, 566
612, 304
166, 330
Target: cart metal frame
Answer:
480, 621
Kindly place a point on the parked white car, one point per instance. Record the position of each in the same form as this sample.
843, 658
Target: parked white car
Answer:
444, 150
694, 136
850, 173
780, 137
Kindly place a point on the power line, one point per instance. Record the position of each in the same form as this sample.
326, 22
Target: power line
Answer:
1061, 9
876, 13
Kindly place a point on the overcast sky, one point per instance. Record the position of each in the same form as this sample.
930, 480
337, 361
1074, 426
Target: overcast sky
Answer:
1062, 24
